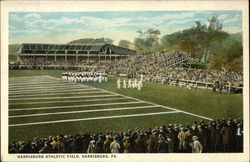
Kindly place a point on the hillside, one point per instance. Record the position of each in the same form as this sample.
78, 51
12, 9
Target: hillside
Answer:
91, 41
13, 48
236, 36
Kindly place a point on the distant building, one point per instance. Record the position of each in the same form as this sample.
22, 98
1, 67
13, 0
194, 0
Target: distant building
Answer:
72, 53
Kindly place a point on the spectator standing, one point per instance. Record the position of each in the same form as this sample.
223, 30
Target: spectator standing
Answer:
47, 148
115, 146
150, 143
182, 140
92, 147
127, 146
106, 144
162, 146
196, 145
239, 138
99, 145
226, 134
217, 144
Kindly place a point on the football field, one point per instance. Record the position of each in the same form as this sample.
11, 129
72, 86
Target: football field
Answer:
44, 105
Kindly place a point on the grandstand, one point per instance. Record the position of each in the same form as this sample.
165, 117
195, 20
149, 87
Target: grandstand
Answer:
72, 53
178, 59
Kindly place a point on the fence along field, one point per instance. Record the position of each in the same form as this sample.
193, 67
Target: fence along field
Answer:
40, 106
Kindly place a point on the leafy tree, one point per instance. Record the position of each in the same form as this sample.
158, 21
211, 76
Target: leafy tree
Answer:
199, 40
147, 40
124, 43
229, 56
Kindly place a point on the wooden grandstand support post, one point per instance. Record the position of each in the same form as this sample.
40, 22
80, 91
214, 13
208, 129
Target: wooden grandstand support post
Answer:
55, 57
105, 51
99, 56
34, 57
46, 56
65, 57
88, 56
110, 54
77, 57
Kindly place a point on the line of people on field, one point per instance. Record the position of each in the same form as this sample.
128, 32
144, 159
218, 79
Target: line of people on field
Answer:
130, 83
197, 137
85, 77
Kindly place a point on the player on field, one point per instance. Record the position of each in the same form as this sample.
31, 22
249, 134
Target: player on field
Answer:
119, 84
129, 83
140, 83
124, 84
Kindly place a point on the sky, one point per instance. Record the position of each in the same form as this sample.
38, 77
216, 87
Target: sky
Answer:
62, 27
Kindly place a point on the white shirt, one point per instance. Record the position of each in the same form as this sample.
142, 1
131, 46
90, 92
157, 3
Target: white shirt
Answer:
238, 132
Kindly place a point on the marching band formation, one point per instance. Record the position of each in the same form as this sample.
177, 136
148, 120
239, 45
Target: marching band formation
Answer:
102, 77
85, 77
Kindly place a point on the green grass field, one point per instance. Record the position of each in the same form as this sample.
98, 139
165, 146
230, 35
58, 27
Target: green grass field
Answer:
196, 101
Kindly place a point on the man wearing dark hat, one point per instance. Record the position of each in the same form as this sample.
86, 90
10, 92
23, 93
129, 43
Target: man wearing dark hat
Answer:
126, 144
226, 135
46, 149
99, 144
239, 138
162, 146
106, 144
218, 139
85, 141
211, 128
150, 143
77, 144
139, 144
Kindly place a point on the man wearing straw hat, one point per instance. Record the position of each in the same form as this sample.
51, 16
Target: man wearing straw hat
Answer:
196, 145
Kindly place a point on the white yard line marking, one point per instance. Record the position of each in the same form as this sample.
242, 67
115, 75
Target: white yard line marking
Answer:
38, 88
166, 107
29, 79
51, 98
94, 118
35, 76
67, 101
83, 111
46, 92
56, 94
33, 83
73, 106
38, 85
42, 88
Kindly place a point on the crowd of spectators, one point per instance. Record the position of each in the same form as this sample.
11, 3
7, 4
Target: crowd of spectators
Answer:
154, 66
59, 64
217, 136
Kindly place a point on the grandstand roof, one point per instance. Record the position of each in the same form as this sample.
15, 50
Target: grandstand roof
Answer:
33, 48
